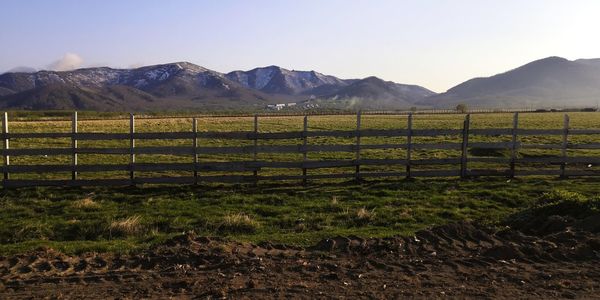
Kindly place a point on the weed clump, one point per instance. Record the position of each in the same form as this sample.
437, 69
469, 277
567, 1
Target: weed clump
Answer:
238, 223
364, 215
86, 204
557, 210
129, 226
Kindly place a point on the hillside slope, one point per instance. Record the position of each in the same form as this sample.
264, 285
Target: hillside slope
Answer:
549, 82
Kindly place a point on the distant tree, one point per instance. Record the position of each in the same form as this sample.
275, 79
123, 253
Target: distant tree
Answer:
413, 109
461, 108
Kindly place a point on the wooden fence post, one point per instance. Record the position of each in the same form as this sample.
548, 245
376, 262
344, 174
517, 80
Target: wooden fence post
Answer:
254, 156
409, 144
304, 151
195, 145
513, 150
6, 157
465, 146
131, 147
357, 158
74, 146
565, 144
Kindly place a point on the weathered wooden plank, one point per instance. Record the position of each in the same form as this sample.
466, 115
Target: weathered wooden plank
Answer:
40, 151
489, 145
382, 162
383, 132
255, 148
538, 160
195, 146
357, 153
37, 168
583, 146
436, 173
249, 166
499, 160
5, 147
228, 178
74, 146
383, 174
328, 176
584, 131
540, 146
332, 133
188, 150
38, 135
435, 132
436, 161
464, 147
514, 149
249, 135
540, 132
493, 131
538, 172
409, 144
78, 182
565, 145
304, 153
132, 147
488, 172
583, 160
222, 166
569, 173
330, 148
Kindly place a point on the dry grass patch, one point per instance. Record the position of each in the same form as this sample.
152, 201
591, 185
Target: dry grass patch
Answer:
364, 214
334, 200
126, 227
86, 204
239, 223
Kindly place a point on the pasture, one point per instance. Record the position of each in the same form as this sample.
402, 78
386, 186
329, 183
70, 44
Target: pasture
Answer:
378, 145
121, 219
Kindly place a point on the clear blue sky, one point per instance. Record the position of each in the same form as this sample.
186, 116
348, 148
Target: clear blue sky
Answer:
437, 44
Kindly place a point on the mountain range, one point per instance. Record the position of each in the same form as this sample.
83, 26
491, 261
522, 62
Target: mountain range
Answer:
545, 83
183, 86
552, 82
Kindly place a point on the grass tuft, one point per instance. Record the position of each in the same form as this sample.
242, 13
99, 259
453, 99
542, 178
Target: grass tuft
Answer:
86, 204
364, 215
129, 226
334, 200
238, 223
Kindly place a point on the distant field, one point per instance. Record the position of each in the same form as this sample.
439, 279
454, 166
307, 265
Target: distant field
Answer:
579, 120
128, 218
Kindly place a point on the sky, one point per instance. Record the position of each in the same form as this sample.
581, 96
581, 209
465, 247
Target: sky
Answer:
436, 44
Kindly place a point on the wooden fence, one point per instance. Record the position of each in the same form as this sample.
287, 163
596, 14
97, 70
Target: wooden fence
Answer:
200, 171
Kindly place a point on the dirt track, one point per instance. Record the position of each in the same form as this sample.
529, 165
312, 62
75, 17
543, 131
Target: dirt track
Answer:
457, 260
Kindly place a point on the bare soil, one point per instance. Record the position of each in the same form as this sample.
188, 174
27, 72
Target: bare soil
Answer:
461, 260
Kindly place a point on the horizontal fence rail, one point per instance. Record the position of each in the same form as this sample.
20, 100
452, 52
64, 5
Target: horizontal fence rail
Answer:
197, 170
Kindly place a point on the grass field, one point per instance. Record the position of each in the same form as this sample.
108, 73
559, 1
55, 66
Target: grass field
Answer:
128, 218
279, 124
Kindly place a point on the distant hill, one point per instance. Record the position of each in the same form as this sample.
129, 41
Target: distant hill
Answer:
375, 93
545, 83
170, 86
183, 86
330, 91
276, 80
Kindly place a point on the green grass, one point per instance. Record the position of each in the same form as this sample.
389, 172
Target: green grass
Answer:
125, 219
